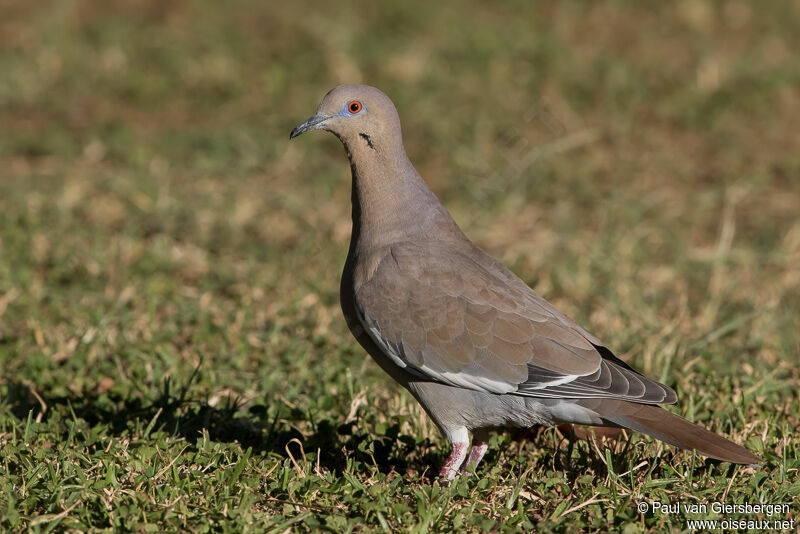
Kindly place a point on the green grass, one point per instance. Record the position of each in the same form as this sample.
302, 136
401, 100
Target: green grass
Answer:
172, 356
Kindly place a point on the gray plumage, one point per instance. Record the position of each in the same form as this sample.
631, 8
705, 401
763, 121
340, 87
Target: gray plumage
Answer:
471, 341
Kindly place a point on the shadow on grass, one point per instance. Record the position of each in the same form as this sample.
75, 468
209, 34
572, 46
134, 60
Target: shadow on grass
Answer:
272, 429
259, 427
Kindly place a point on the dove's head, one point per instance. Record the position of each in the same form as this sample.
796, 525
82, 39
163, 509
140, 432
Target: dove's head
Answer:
361, 116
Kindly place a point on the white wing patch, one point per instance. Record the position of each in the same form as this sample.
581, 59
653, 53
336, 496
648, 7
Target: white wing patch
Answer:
563, 380
465, 380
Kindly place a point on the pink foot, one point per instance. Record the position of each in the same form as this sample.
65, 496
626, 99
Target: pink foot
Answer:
480, 442
459, 438
450, 468
475, 456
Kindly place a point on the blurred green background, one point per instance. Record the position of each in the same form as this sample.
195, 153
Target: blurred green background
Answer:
170, 337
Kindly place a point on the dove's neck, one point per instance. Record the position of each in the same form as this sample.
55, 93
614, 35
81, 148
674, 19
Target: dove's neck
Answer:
392, 203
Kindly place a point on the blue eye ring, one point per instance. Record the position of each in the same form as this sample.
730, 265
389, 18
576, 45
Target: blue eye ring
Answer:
354, 107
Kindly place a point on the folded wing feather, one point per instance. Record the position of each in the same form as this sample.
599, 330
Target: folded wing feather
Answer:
443, 316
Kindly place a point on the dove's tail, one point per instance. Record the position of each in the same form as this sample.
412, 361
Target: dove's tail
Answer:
665, 426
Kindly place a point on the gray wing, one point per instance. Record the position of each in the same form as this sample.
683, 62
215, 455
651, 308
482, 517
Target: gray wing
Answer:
443, 316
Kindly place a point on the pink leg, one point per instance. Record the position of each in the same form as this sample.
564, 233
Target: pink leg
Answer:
480, 442
450, 468
460, 442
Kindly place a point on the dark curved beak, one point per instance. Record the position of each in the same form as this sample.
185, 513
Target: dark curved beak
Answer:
314, 123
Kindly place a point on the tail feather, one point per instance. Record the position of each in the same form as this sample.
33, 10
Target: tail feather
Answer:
667, 427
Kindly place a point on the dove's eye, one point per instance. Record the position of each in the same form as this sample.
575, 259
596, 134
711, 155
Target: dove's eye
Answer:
354, 106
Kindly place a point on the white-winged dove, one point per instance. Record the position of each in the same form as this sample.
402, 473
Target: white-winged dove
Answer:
471, 341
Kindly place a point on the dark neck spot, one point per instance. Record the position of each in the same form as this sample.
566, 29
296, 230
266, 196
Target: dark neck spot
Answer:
366, 138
